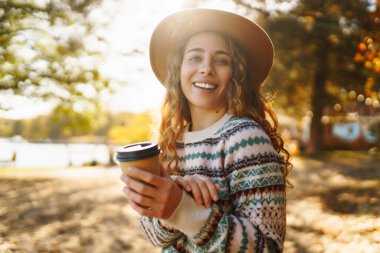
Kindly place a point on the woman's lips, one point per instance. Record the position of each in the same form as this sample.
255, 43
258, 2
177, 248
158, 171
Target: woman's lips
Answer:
206, 86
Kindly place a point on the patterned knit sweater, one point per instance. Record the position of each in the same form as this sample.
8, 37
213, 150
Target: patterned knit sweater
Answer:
250, 215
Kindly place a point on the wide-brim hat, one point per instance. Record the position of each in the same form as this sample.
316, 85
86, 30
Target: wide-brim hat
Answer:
178, 27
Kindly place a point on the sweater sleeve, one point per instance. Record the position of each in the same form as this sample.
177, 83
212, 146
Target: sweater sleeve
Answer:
159, 234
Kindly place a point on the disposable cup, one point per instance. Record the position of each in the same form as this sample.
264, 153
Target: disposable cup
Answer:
142, 155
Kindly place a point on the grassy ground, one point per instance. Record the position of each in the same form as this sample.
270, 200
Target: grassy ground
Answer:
334, 207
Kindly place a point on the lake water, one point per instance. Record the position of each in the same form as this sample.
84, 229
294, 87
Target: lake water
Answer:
52, 155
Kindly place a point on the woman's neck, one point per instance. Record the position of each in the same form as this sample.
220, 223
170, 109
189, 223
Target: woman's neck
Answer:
201, 119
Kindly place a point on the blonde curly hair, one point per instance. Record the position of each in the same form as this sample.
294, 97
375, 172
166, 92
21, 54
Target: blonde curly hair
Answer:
251, 103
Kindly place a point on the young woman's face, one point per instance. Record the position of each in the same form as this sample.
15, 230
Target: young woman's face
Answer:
206, 71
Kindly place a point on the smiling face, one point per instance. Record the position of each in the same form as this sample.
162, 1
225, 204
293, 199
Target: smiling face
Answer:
206, 71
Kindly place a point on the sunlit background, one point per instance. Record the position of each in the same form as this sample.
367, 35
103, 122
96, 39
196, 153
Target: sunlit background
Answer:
121, 33
76, 84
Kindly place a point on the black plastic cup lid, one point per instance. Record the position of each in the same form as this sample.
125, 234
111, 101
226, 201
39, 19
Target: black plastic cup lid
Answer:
137, 151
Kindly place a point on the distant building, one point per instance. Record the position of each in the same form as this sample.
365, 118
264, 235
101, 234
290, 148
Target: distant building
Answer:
351, 135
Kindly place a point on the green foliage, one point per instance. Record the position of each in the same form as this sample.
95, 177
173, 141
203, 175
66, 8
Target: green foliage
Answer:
72, 122
43, 53
136, 128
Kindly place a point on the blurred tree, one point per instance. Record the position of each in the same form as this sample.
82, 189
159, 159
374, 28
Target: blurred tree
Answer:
135, 128
73, 122
6, 128
118, 128
44, 54
368, 51
315, 43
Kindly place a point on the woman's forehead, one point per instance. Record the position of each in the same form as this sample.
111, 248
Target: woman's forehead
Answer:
207, 40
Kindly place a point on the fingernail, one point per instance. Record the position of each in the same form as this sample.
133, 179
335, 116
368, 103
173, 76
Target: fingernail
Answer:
215, 197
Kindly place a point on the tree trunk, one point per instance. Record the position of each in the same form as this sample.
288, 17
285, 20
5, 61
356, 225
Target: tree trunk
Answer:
318, 100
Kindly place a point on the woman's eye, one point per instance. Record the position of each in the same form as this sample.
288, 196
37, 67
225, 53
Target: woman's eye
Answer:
195, 58
222, 61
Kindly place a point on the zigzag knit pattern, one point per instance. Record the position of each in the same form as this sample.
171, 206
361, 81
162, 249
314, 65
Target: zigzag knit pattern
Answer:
250, 214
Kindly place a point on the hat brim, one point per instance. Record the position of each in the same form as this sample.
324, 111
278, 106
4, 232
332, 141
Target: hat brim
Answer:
176, 28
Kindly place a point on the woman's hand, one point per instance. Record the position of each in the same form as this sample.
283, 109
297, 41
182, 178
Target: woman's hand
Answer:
203, 189
152, 195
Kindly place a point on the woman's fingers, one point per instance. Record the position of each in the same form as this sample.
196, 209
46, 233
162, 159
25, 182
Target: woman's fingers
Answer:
207, 190
139, 187
141, 200
183, 183
142, 210
151, 195
149, 178
212, 188
144, 176
195, 191
203, 189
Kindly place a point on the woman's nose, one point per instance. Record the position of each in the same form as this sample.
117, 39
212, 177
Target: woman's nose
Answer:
207, 68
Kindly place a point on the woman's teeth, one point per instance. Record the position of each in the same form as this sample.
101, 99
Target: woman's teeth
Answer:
204, 85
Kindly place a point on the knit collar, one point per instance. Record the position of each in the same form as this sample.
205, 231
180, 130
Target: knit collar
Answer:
208, 132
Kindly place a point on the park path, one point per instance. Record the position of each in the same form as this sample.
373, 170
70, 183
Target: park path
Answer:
74, 210
334, 207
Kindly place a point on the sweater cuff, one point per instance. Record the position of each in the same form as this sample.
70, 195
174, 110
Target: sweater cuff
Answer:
188, 217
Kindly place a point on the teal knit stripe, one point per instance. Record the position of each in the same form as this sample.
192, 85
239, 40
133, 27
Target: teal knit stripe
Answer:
151, 236
221, 232
231, 232
161, 237
244, 143
244, 241
245, 198
259, 171
260, 182
248, 142
203, 155
164, 234
169, 250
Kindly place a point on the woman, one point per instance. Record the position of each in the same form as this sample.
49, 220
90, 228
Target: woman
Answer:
218, 137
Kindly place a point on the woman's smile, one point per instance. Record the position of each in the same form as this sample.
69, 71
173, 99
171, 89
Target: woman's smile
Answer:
205, 86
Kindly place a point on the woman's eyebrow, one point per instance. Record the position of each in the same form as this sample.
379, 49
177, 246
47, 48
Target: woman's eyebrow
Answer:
198, 49
222, 52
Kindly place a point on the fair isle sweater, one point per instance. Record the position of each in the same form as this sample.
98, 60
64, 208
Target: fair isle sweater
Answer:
250, 215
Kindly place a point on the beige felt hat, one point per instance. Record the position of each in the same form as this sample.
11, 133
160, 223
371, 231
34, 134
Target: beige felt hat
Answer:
176, 28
